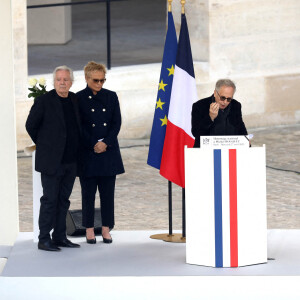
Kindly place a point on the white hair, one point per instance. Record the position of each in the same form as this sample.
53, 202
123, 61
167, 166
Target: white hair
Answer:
225, 82
63, 68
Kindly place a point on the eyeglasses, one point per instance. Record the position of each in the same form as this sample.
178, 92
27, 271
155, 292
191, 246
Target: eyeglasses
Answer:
222, 98
99, 80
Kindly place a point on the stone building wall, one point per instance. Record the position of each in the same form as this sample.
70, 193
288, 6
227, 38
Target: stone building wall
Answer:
255, 43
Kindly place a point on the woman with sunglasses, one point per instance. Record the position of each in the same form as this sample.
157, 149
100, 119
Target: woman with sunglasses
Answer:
218, 114
100, 156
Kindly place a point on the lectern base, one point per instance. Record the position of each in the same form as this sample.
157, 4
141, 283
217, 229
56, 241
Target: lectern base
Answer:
173, 238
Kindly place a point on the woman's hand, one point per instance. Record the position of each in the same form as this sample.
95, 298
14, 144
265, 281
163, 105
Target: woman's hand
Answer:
100, 147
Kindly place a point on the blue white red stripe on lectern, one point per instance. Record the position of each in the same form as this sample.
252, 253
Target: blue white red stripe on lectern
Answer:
218, 208
233, 209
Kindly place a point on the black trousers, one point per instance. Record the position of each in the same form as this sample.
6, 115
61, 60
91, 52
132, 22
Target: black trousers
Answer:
55, 202
106, 187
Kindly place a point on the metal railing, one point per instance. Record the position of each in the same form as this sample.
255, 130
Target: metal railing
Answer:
108, 32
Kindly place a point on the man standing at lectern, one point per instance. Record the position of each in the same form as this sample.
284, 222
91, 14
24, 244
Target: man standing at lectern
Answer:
54, 126
218, 114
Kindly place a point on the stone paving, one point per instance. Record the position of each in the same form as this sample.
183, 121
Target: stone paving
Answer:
142, 194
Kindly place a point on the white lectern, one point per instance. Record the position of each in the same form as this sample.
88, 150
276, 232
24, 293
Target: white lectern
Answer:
225, 205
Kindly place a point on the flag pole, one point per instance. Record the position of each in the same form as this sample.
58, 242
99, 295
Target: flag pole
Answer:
183, 238
170, 237
180, 238
165, 236
170, 208
170, 5
183, 214
182, 6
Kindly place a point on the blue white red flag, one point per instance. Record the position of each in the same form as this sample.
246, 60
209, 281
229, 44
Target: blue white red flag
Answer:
183, 95
163, 96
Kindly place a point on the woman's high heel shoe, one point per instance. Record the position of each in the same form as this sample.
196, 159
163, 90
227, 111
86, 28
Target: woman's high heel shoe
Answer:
90, 232
107, 241
91, 241
105, 230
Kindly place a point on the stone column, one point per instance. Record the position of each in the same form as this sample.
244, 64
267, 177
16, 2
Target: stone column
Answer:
50, 25
9, 221
19, 20
197, 12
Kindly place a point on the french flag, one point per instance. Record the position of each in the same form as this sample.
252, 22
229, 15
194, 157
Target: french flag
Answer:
226, 207
183, 95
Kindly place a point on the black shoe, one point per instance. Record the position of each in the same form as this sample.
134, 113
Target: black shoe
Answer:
107, 241
48, 246
65, 243
91, 241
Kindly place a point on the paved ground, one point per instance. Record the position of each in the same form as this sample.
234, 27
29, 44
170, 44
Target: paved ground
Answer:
142, 194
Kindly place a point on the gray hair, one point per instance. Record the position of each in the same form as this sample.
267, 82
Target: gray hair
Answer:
60, 68
225, 82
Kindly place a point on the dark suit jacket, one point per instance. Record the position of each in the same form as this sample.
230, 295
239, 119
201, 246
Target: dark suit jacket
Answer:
46, 126
202, 123
101, 119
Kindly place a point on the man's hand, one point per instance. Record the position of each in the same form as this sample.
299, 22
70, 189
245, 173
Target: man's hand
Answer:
213, 110
100, 147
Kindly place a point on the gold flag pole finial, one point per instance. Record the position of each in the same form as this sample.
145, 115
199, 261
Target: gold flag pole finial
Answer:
182, 6
170, 5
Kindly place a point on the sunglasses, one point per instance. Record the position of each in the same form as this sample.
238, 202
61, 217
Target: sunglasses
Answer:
222, 98
99, 80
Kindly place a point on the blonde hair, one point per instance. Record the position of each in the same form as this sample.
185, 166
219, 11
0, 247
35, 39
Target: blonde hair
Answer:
92, 66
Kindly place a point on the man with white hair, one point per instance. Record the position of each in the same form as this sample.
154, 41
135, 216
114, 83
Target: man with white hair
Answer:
218, 114
53, 124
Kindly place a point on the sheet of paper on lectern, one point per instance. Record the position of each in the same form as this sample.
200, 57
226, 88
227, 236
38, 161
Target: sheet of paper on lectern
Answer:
225, 141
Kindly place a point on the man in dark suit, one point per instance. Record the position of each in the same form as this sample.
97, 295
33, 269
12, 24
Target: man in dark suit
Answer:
54, 126
218, 114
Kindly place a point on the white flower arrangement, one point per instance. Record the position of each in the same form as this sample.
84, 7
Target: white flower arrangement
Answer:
37, 87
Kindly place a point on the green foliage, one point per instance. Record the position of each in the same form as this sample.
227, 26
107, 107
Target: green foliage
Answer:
36, 90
